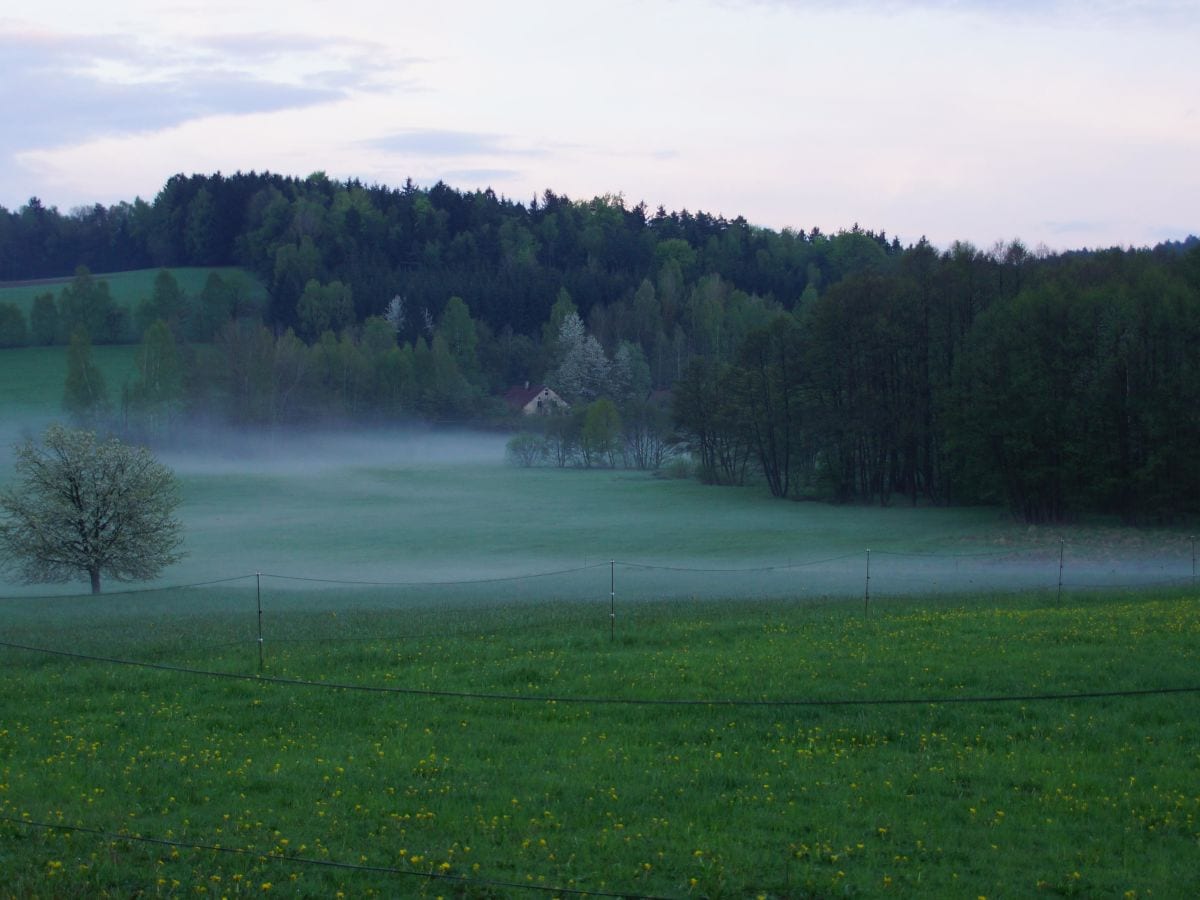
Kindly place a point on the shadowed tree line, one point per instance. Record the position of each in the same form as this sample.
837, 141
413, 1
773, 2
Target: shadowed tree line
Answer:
1057, 386
843, 366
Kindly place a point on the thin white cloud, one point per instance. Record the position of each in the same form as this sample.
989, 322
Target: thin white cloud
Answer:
1162, 12
1061, 121
441, 143
61, 88
467, 179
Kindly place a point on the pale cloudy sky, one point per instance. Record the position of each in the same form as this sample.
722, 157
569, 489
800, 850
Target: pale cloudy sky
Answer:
1064, 122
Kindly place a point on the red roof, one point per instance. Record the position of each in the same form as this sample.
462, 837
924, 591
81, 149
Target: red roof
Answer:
518, 397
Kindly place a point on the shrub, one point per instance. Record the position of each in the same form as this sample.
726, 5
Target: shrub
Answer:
680, 467
526, 450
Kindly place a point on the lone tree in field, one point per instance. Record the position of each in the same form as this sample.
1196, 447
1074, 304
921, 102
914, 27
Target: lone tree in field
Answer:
84, 506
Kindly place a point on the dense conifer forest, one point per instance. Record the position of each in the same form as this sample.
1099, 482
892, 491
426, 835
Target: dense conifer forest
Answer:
849, 366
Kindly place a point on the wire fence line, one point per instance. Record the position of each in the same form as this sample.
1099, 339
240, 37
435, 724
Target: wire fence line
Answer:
457, 582
844, 574
860, 576
286, 607
845, 565
492, 696
264, 608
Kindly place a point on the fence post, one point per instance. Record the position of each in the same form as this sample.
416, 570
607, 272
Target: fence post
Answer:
1061, 545
258, 594
867, 589
612, 599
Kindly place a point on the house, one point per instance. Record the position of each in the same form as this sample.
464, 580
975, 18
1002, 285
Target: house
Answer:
537, 400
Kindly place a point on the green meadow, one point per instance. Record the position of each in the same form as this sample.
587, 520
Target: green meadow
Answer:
392, 665
702, 749
127, 288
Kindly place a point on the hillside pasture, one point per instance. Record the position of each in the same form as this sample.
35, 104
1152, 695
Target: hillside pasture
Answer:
127, 288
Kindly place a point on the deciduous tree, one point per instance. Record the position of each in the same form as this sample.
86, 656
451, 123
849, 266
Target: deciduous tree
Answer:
526, 449
83, 506
322, 308
86, 395
156, 395
601, 436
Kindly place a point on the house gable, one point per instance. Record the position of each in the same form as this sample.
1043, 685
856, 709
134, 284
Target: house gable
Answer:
535, 400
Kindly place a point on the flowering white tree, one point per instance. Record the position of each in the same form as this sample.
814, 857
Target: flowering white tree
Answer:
395, 313
582, 375
85, 506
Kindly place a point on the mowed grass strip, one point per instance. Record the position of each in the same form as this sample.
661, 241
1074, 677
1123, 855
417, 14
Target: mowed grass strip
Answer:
1094, 797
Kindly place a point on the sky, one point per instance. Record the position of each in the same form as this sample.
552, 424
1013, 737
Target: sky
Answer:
1061, 123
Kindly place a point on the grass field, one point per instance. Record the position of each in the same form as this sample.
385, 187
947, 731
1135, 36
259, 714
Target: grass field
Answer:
127, 288
389, 507
483, 681
478, 751
418, 505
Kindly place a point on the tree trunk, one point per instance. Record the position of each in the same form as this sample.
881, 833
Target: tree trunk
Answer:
95, 573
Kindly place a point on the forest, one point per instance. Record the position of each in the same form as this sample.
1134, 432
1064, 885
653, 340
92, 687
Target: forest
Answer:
848, 367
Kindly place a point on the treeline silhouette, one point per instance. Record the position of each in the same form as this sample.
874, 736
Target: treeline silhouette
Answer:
845, 366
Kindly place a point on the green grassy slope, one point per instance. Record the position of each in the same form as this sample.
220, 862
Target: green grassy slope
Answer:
127, 288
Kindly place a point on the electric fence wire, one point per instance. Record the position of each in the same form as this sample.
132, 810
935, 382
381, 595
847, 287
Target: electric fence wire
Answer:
440, 633
449, 583
611, 701
982, 554
327, 863
734, 571
131, 592
626, 564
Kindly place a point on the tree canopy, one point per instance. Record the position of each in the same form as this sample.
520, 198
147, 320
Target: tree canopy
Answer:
82, 506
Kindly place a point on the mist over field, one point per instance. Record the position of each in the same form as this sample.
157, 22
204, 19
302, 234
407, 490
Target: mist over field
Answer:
440, 514
16, 430
301, 452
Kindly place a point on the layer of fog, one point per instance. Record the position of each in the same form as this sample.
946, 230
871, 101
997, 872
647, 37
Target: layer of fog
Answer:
371, 515
596, 583
18, 429
219, 450
214, 449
